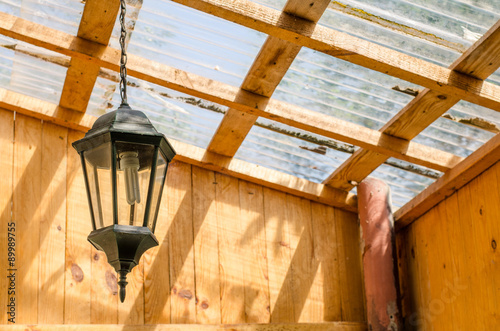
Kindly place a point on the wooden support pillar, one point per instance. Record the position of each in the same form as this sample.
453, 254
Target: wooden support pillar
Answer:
379, 255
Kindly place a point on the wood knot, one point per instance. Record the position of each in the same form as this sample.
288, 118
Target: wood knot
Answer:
493, 244
96, 257
76, 273
204, 304
111, 282
185, 294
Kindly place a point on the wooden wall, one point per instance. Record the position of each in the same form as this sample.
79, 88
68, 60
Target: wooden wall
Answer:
230, 251
450, 260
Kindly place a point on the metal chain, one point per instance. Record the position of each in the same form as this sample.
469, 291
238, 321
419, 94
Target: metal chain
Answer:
123, 58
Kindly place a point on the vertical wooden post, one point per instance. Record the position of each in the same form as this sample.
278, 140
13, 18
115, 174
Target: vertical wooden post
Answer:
379, 255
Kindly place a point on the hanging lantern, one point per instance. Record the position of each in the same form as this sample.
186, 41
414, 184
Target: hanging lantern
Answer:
124, 162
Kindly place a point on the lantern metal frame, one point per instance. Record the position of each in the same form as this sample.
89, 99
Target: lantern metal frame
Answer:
124, 244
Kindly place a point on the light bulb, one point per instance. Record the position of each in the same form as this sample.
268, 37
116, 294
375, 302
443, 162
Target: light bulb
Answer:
129, 163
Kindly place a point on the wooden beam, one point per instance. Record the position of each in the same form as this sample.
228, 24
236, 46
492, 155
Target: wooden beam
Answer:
191, 154
43, 110
98, 20
486, 156
480, 59
352, 49
264, 176
226, 95
324, 326
267, 71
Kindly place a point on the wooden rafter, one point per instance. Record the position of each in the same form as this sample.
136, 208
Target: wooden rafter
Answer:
190, 154
97, 24
227, 95
267, 71
352, 49
44, 110
481, 60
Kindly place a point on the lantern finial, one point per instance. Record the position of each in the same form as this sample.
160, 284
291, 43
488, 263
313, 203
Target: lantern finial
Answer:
122, 283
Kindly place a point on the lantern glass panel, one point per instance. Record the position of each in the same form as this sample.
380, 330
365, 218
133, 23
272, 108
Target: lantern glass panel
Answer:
134, 163
98, 172
161, 170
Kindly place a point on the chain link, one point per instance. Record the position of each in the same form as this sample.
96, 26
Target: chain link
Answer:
123, 58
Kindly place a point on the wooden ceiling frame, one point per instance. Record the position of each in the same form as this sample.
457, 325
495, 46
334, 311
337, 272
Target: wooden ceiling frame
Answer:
226, 95
288, 31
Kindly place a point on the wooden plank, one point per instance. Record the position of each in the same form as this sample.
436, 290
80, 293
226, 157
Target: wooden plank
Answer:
459, 209
332, 326
326, 244
231, 271
27, 215
440, 270
480, 233
278, 257
479, 60
422, 111
350, 48
206, 250
46, 111
180, 240
6, 221
253, 245
458, 231
351, 281
266, 72
156, 266
98, 20
303, 264
78, 249
451, 181
53, 224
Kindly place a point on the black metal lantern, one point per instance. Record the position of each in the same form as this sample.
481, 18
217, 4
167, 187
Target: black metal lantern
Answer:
125, 162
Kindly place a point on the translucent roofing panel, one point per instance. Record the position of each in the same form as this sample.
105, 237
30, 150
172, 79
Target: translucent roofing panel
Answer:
462, 130
338, 88
31, 70
193, 41
178, 116
63, 15
437, 31
288, 154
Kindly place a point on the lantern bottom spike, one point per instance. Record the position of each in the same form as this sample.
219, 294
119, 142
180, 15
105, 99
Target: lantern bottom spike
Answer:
122, 283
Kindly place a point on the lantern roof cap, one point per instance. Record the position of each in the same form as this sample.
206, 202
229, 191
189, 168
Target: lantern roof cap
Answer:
124, 119
125, 124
